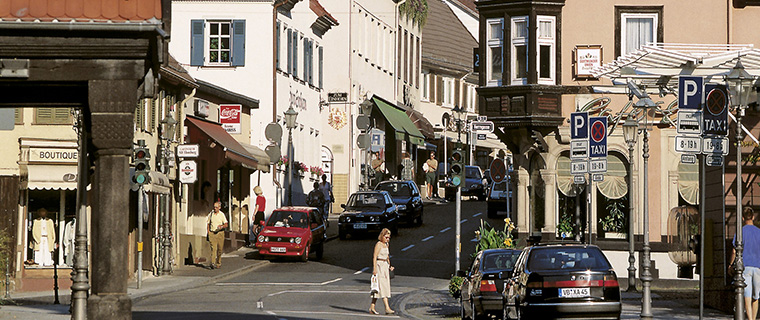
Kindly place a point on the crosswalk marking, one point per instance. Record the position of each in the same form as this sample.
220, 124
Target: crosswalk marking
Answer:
428, 238
447, 229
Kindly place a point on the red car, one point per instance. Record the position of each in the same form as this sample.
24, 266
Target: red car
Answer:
293, 232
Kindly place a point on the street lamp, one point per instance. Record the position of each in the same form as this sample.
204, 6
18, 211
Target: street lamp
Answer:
739, 84
290, 123
167, 136
630, 133
458, 114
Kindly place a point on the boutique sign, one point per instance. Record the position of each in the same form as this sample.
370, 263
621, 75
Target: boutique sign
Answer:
57, 155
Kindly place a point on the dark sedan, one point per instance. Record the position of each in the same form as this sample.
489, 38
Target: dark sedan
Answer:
562, 281
482, 285
368, 211
406, 196
474, 185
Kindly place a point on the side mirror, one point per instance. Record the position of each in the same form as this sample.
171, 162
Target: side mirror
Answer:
343, 205
462, 273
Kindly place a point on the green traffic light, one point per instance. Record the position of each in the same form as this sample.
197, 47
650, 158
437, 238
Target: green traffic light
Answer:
456, 181
140, 179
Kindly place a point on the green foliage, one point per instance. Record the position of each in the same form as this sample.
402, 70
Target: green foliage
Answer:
5, 254
455, 286
490, 238
615, 219
416, 10
565, 223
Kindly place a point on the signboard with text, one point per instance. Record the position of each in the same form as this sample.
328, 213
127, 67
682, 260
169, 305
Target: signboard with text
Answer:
715, 115
230, 117
598, 137
690, 93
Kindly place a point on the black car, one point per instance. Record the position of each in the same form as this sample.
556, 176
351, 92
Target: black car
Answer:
406, 196
483, 284
497, 198
560, 281
367, 211
475, 184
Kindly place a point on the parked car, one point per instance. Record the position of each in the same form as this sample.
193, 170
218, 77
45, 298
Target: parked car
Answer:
367, 211
483, 283
293, 232
552, 281
497, 198
475, 184
406, 196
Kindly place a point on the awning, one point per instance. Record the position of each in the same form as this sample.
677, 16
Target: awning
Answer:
233, 149
688, 183
614, 185
400, 122
50, 177
421, 123
261, 156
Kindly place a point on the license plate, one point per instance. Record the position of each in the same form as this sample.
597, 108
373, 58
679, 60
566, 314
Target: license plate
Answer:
278, 249
574, 292
360, 226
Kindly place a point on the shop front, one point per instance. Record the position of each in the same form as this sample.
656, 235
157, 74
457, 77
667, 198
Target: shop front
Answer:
400, 135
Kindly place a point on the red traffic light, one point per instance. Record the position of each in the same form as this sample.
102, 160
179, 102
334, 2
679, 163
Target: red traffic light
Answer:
140, 154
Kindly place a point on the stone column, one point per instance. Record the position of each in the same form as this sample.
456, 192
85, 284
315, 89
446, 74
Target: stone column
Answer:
111, 103
550, 203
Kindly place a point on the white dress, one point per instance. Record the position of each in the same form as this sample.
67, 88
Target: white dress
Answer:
383, 274
43, 256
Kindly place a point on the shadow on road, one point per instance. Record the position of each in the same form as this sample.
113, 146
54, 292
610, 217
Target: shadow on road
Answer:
144, 315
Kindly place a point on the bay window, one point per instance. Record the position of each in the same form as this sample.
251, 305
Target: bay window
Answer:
519, 51
546, 62
494, 55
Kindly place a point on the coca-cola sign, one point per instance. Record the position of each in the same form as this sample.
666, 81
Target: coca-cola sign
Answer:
229, 117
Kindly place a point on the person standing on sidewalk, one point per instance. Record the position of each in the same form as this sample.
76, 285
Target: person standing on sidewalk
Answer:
432, 167
216, 222
382, 269
407, 172
258, 216
316, 198
326, 188
751, 238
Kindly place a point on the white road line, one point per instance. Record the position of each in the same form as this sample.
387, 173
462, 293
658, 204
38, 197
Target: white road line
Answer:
322, 291
428, 238
260, 304
270, 312
407, 248
246, 284
352, 314
477, 214
447, 229
362, 270
464, 220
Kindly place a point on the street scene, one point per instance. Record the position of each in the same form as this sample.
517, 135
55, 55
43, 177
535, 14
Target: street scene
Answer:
351, 159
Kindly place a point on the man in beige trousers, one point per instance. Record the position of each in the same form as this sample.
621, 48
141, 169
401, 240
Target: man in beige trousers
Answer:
216, 223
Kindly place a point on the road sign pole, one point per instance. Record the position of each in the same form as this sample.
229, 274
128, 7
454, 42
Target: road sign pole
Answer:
458, 227
702, 169
139, 235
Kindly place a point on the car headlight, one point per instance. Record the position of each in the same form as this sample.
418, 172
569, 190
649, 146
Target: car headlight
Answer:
261, 238
401, 207
373, 219
292, 240
298, 240
266, 239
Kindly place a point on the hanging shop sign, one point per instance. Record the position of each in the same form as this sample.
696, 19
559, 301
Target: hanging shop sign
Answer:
188, 172
337, 118
229, 117
587, 58
57, 155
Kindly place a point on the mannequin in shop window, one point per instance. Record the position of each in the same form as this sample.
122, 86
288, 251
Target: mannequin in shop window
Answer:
43, 239
69, 232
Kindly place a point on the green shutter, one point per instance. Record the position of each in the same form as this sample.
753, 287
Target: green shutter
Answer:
139, 114
18, 114
43, 116
153, 105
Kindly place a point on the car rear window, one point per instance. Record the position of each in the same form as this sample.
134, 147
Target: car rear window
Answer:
498, 261
395, 188
366, 200
567, 258
472, 173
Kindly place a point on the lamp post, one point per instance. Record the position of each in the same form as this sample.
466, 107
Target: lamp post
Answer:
167, 136
739, 84
290, 123
630, 133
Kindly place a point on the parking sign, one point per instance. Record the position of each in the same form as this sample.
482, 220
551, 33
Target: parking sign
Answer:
597, 137
690, 93
579, 125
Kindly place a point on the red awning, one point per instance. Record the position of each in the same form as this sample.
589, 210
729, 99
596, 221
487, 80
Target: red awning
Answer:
233, 150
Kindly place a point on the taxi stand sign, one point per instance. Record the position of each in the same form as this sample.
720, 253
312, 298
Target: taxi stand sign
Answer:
598, 144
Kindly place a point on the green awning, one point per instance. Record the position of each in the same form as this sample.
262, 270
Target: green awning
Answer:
400, 122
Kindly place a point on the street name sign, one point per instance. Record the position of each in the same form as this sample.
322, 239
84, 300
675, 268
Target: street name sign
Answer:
690, 93
689, 144
188, 151
337, 97
598, 137
579, 125
715, 115
714, 160
688, 158
578, 149
578, 167
598, 165
482, 126
596, 177
481, 136
715, 146
579, 179
689, 122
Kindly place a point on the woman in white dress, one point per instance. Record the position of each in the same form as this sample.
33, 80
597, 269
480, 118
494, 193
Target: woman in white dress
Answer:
43, 239
381, 268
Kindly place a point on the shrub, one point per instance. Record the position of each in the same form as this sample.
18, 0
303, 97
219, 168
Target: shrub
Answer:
490, 238
455, 286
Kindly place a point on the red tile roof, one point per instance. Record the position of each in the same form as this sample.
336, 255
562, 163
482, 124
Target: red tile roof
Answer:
320, 11
81, 10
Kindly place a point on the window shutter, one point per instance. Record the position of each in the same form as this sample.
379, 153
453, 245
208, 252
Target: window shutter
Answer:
17, 113
439, 90
238, 43
44, 115
277, 45
429, 78
295, 54
153, 105
290, 51
456, 93
140, 114
320, 68
306, 59
465, 101
62, 115
196, 42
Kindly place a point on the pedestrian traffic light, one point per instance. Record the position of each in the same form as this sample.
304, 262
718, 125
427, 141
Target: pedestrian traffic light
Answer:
142, 165
457, 167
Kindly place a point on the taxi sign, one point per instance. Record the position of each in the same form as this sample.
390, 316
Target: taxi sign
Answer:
597, 137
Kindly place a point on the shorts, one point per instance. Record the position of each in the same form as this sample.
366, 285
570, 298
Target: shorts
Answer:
430, 178
258, 217
752, 279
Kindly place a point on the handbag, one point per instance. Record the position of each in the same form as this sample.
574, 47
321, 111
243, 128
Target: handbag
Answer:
391, 274
374, 287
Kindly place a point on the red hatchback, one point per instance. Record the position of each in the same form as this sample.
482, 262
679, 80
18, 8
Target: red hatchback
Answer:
293, 232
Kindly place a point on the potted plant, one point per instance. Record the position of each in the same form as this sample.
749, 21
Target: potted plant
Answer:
316, 172
565, 225
282, 163
614, 223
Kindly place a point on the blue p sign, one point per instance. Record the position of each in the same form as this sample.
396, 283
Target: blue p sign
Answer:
579, 125
690, 93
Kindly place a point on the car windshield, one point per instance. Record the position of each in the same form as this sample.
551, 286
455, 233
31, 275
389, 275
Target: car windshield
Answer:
498, 261
567, 258
366, 201
396, 188
288, 219
472, 173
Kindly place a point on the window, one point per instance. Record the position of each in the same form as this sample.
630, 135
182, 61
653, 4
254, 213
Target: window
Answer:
295, 54
406, 56
448, 92
546, 54
519, 50
425, 90
398, 50
494, 55
277, 47
53, 116
636, 30
306, 59
217, 43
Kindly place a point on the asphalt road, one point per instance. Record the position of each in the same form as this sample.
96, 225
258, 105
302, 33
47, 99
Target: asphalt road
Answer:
337, 286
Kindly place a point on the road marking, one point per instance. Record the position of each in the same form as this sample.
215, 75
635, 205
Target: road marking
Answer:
270, 312
407, 248
428, 238
474, 240
447, 229
322, 291
464, 220
477, 214
352, 314
260, 304
362, 270
278, 283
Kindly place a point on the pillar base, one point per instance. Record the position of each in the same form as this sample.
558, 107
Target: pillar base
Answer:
113, 307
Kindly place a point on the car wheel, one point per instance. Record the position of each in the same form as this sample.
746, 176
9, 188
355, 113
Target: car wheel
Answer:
320, 251
305, 255
342, 235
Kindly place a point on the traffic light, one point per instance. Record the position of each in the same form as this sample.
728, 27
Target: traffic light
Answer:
457, 167
142, 164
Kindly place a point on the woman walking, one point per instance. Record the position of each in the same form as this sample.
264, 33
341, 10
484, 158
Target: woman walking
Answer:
381, 268
258, 216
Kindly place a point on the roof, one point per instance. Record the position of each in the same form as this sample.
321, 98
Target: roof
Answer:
446, 43
660, 64
226, 96
467, 5
174, 71
81, 10
320, 11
